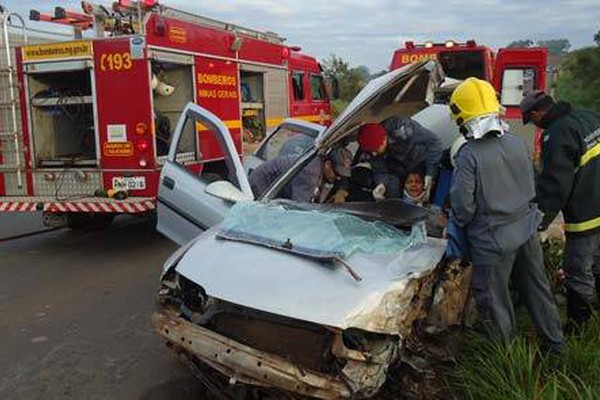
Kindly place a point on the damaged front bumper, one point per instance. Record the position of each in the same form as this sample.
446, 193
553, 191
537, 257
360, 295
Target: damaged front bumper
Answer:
245, 364
261, 349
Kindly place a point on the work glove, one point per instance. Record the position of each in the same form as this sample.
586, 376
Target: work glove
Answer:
379, 192
427, 185
339, 196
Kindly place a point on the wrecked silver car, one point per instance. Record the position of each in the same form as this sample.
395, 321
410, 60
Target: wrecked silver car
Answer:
314, 299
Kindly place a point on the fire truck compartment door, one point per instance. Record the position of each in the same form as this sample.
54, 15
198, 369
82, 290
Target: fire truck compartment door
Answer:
187, 202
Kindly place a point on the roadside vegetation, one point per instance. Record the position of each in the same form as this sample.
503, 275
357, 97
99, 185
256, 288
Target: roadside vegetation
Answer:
521, 370
350, 80
578, 79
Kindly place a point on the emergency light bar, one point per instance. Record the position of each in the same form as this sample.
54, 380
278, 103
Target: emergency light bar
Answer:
410, 45
145, 4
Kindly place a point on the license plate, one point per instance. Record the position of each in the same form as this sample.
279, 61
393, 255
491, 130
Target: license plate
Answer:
129, 183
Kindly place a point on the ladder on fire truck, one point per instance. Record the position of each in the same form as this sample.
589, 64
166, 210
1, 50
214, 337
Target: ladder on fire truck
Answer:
206, 21
11, 146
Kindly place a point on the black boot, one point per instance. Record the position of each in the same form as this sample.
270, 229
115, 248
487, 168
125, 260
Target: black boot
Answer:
578, 312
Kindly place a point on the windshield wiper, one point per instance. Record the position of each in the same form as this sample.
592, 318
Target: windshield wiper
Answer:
287, 246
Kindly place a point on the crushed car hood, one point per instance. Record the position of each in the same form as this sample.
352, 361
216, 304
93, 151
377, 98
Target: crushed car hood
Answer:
306, 289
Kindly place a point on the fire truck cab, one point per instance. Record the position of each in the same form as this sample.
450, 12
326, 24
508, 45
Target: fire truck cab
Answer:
97, 115
512, 71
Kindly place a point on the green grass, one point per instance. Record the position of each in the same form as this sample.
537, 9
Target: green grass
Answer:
520, 371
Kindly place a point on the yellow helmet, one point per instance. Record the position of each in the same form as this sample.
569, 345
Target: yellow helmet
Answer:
473, 98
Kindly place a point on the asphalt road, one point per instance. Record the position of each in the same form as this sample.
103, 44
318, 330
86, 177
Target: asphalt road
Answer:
74, 315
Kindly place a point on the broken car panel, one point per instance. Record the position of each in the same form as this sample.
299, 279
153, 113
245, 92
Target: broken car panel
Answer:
272, 306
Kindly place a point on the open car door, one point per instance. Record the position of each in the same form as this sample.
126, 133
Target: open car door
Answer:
190, 201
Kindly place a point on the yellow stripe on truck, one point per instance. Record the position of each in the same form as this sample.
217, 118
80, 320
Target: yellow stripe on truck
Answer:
271, 122
309, 118
231, 124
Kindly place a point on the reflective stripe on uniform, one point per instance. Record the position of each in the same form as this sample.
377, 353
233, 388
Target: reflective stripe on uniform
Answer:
583, 226
590, 154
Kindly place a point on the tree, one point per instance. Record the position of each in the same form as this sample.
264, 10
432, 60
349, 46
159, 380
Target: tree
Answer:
378, 74
350, 80
579, 82
557, 47
597, 38
521, 43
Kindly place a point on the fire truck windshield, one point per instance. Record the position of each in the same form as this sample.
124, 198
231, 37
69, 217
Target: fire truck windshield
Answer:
461, 64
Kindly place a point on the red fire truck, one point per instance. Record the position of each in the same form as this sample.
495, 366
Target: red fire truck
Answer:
96, 115
512, 71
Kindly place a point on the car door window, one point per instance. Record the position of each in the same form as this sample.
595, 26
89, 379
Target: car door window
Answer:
285, 141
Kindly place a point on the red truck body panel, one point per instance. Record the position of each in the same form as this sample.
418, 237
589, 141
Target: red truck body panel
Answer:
512, 72
121, 76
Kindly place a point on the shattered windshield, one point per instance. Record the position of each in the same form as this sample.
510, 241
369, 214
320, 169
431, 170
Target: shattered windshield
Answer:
316, 233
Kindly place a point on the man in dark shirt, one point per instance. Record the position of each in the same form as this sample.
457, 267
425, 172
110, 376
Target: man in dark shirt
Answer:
570, 182
396, 147
306, 184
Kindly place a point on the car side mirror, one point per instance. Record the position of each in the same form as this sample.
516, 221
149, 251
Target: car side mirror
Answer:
227, 191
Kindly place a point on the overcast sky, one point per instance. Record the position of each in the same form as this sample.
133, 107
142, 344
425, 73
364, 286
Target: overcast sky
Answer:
365, 32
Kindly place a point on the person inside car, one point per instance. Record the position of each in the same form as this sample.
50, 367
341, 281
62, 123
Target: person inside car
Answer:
308, 184
395, 147
414, 188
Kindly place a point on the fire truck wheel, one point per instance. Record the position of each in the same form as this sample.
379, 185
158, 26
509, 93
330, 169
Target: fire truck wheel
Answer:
89, 221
